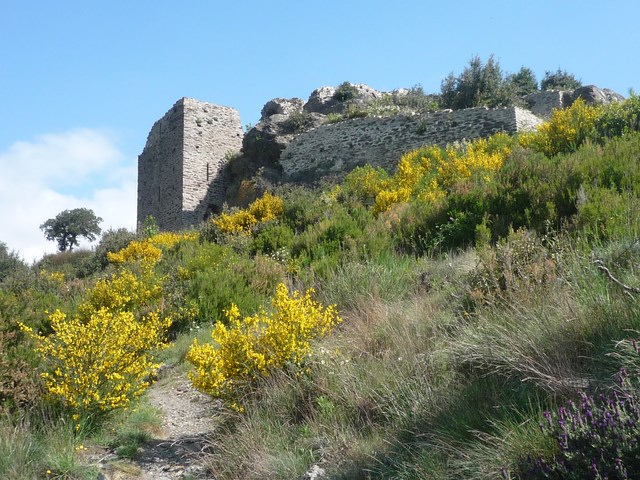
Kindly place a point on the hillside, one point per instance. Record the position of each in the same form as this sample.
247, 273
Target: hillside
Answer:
472, 315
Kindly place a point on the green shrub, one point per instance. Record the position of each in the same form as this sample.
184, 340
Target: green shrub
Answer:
213, 276
478, 85
605, 213
618, 119
345, 92
567, 129
71, 263
113, 241
272, 238
356, 111
298, 122
559, 80
519, 263
523, 83
10, 262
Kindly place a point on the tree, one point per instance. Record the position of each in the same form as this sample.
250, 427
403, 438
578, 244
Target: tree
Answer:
71, 224
478, 85
524, 82
559, 80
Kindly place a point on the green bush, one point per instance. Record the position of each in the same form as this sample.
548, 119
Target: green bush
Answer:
298, 122
618, 119
559, 80
10, 262
272, 238
113, 241
479, 84
605, 213
523, 83
212, 277
345, 92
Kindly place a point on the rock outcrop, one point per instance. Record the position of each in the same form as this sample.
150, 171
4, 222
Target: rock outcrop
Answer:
196, 158
594, 95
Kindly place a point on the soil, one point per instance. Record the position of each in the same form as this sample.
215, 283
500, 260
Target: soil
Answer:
178, 451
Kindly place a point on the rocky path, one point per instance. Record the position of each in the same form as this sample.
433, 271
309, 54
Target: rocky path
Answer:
177, 452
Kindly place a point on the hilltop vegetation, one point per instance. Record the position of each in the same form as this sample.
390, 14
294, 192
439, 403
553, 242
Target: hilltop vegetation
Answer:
455, 319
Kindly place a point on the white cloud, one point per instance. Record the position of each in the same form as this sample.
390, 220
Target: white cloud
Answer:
41, 178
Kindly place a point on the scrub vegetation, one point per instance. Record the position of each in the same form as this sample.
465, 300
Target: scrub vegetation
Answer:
473, 314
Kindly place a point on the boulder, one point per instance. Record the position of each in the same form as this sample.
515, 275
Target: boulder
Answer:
281, 106
264, 142
324, 100
594, 95
314, 473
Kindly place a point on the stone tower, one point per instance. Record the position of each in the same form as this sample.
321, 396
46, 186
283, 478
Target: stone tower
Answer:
180, 171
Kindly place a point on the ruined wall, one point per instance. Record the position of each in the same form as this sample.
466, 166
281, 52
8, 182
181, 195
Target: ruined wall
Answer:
340, 147
543, 104
160, 171
180, 169
211, 132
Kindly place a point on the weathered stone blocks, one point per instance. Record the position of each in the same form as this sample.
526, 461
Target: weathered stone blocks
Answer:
181, 169
339, 148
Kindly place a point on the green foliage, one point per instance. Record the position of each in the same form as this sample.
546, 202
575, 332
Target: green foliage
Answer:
605, 213
415, 99
518, 263
345, 92
356, 111
618, 119
249, 348
10, 262
113, 241
204, 280
149, 227
479, 84
298, 121
566, 130
523, 82
273, 238
559, 80
71, 264
68, 225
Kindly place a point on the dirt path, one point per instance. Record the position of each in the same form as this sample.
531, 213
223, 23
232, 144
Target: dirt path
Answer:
177, 452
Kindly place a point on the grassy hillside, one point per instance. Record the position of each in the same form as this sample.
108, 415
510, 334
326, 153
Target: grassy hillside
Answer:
472, 315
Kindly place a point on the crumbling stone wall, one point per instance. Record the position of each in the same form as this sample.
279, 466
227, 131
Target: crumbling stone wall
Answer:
543, 104
180, 171
380, 141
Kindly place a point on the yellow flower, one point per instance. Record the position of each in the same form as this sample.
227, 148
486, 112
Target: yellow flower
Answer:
248, 348
267, 208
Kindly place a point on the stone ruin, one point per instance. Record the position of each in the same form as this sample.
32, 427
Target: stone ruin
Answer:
197, 158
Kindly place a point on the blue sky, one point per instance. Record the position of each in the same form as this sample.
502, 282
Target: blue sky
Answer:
81, 83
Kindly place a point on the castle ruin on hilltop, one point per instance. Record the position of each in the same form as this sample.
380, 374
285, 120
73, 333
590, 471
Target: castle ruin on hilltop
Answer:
180, 171
183, 175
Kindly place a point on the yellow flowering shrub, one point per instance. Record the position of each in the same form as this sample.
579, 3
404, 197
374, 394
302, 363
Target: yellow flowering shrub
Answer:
55, 277
566, 130
169, 239
267, 208
143, 252
428, 173
365, 182
99, 363
248, 348
148, 252
120, 292
98, 359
